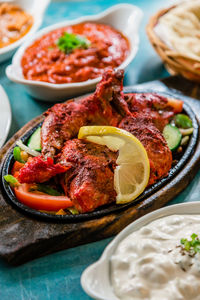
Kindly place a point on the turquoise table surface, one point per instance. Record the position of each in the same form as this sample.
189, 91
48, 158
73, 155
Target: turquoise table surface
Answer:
57, 276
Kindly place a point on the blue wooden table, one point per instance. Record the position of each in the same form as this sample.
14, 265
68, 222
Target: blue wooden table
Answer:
57, 276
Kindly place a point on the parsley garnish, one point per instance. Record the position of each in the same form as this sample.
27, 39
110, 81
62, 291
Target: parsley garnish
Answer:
191, 245
69, 41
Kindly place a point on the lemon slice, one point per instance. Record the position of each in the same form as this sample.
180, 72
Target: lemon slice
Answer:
131, 175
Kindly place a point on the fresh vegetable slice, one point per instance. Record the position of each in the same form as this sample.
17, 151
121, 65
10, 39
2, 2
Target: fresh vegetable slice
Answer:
34, 141
73, 211
27, 149
186, 132
173, 136
41, 201
11, 180
17, 154
24, 156
176, 104
183, 121
47, 189
60, 212
16, 167
185, 140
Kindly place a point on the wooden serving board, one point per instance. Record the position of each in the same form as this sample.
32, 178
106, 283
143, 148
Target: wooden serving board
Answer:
23, 238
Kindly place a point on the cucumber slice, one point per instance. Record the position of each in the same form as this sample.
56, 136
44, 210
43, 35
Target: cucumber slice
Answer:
34, 141
173, 136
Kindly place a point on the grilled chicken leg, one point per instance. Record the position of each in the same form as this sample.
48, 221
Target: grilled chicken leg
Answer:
63, 121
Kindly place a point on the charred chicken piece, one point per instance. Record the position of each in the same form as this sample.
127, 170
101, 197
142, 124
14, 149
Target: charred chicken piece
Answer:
62, 121
159, 154
89, 181
152, 105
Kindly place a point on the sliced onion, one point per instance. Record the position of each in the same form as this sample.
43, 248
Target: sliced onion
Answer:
27, 149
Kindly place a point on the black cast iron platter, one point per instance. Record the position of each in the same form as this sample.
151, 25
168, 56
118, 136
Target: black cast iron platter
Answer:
105, 210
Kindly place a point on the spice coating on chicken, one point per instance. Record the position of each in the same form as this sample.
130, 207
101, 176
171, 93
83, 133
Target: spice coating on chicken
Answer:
38, 170
89, 181
159, 154
153, 105
64, 120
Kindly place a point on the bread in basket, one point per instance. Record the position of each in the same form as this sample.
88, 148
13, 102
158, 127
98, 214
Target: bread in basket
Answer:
175, 35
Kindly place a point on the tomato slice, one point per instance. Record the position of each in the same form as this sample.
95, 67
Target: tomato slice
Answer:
176, 104
15, 169
41, 201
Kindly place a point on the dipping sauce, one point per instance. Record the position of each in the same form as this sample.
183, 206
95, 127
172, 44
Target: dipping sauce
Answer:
44, 61
14, 23
151, 263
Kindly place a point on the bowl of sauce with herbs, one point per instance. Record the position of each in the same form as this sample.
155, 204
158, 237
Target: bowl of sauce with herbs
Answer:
75, 53
68, 58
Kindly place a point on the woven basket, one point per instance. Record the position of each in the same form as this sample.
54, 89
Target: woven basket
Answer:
176, 63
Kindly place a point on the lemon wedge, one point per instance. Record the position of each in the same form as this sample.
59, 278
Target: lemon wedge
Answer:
131, 175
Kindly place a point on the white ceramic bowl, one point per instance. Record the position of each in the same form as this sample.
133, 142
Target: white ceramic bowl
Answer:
95, 280
124, 17
5, 116
36, 8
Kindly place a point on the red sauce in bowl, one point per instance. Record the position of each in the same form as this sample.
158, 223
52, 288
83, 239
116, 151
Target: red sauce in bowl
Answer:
44, 61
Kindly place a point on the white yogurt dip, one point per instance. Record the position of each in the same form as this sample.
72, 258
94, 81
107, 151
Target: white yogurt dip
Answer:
152, 264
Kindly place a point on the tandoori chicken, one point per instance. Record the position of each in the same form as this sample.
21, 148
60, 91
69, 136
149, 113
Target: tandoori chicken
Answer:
89, 181
157, 107
88, 175
159, 154
62, 121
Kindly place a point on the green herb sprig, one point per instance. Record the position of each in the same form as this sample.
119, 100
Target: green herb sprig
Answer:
69, 41
192, 245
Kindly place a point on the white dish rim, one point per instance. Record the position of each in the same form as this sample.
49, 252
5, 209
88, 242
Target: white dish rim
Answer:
180, 209
6, 105
11, 69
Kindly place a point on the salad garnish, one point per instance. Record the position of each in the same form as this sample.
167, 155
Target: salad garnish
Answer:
17, 155
11, 180
177, 132
47, 189
27, 149
73, 211
183, 121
